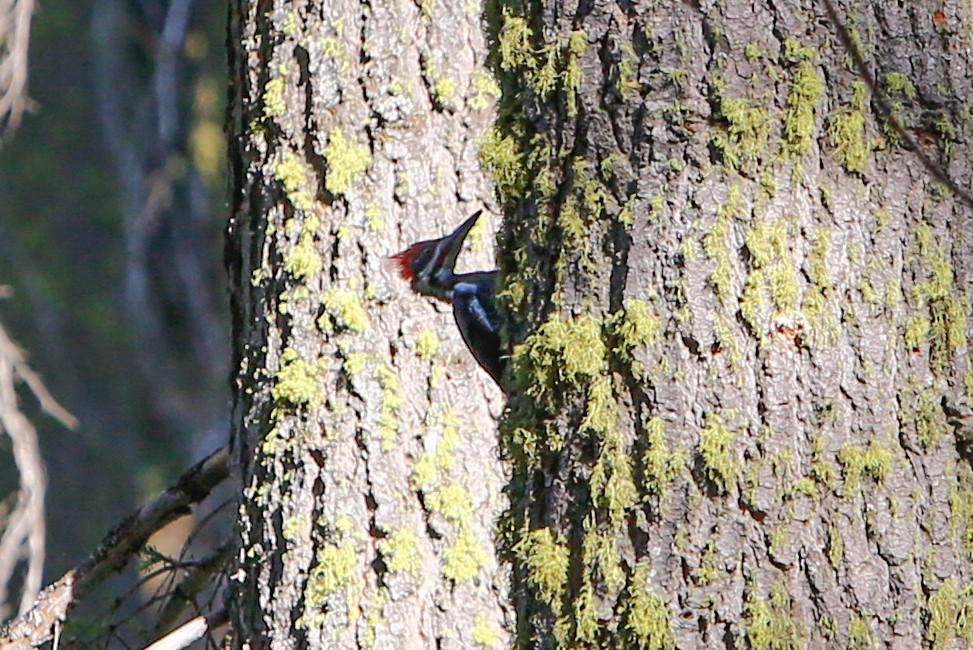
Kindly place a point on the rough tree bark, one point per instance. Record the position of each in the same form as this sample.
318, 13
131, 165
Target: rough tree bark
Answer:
742, 313
364, 433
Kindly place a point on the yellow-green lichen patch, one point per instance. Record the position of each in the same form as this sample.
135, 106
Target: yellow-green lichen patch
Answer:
769, 623
296, 178
874, 459
836, 547
463, 560
274, 105
304, 260
860, 635
452, 501
806, 90
345, 306
929, 422
817, 305
773, 275
942, 308
335, 569
950, 615
847, 132
427, 344
961, 507
897, 83
297, 380
648, 615
388, 420
402, 553
636, 327
743, 141
347, 160
577, 46
355, 363
487, 90
547, 563
484, 634
502, 159
612, 486
568, 352
660, 465
717, 249
716, 449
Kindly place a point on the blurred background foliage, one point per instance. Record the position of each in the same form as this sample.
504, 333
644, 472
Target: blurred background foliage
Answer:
112, 205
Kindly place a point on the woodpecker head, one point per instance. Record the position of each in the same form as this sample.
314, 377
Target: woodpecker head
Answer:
428, 265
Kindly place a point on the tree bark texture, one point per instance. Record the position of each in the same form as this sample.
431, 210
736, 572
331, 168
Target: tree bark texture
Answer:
364, 433
741, 305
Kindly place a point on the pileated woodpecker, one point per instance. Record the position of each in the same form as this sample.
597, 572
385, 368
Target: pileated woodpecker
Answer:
428, 265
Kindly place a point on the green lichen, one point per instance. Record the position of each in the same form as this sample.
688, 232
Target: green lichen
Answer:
874, 459
806, 90
388, 421
427, 344
916, 332
453, 502
817, 305
860, 635
716, 449
898, 83
484, 634
274, 104
942, 307
769, 623
295, 176
648, 615
487, 90
463, 560
743, 140
444, 92
502, 159
546, 561
402, 553
577, 46
303, 261
715, 246
297, 380
335, 568
660, 465
836, 547
561, 352
636, 327
354, 363
950, 615
345, 306
929, 423
847, 132
347, 160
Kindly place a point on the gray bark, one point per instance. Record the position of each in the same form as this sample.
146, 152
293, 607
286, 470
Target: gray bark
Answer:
742, 306
364, 433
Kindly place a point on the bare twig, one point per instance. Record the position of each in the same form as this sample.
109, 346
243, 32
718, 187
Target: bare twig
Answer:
24, 529
37, 625
189, 632
198, 577
15, 18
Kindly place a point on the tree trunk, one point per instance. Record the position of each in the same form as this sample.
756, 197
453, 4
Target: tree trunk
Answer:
741, 302
364, 432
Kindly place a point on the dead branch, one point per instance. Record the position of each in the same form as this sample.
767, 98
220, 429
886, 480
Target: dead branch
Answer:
37, 625
189, 632
24, 525
15, 18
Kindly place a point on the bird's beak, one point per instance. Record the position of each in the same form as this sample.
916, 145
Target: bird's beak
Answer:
453, 244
